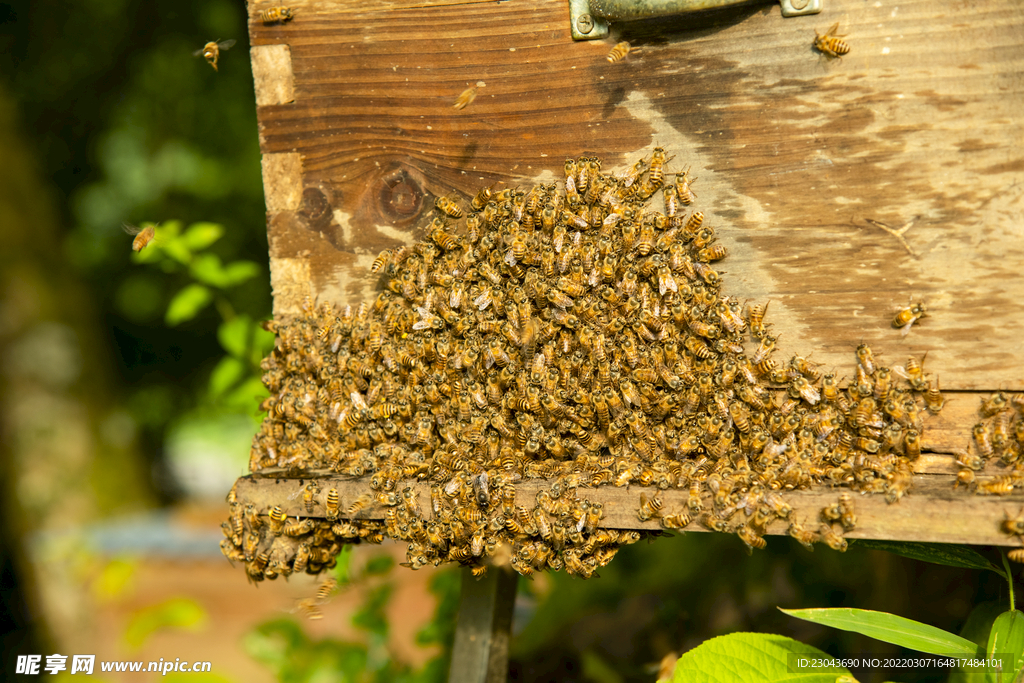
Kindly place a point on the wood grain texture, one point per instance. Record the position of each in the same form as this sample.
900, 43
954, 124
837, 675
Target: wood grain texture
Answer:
933, 511
919, 122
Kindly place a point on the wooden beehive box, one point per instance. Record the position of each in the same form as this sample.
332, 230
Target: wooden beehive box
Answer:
800, 160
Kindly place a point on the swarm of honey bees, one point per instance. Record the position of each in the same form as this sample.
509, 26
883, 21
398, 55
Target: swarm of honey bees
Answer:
569, 334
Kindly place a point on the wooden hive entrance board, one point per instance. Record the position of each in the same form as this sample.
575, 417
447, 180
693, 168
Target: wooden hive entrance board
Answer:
800, 162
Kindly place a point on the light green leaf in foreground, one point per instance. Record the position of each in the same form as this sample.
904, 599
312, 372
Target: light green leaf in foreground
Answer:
753, 658
936, 553
201, 235
890, 628
187, 303
1007, 639
183, 614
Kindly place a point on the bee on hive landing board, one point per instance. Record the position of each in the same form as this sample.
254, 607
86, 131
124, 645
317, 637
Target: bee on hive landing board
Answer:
211, 51
143, 236
465, 98
907, 316
829, 43
619, 52
274, 15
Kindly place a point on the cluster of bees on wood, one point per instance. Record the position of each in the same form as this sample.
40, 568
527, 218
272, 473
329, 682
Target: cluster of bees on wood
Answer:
999, 436
567, 333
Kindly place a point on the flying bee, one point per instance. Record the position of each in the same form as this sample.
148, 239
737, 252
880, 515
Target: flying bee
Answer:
277, 15
907, 316
143, 236
211, 51
465, 98
830, 44
619, 52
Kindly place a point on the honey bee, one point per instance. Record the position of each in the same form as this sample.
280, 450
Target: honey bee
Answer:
829, 43
649, 507
982, 441
143, 236
866, 359
619, 52
1016, 555
907, 316
381, 262
211, 51
683, 190
1014, 526
448, 206
832, 538
277, 519
331, 504
480, 490
274, 15
803, 536
933, 398
750, 537
465, 99
309, 494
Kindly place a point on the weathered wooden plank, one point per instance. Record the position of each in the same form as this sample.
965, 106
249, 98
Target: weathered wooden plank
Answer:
933, 511
917, 125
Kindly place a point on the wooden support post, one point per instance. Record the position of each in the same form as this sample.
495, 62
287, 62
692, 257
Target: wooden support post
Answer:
480, 653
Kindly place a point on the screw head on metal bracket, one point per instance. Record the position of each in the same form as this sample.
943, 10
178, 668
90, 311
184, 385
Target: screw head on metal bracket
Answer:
584, 23
796, 8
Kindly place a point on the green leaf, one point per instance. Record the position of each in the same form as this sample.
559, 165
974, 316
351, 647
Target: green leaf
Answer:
237, 272
752, 658
1007, 638
234, 335
262, 344
187, 303
227, 373
201, 235
177, 613
247, 396
207, 268
381, 564
890, 628
936, 553
371, 616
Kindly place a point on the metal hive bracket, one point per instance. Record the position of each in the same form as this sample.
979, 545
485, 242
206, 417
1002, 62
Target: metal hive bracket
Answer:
589, 19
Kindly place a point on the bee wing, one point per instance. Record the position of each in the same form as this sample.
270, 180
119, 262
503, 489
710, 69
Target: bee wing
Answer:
905, 330
132, 229
198, 52
228, 44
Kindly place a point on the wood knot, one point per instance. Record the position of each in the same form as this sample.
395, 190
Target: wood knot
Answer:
401, 196
316, 208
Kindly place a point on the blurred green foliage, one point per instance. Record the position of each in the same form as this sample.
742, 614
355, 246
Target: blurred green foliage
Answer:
235, 384
294, 657
128, 125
